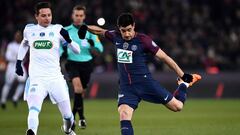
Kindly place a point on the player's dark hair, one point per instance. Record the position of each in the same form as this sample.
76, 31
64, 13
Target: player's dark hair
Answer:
80, 7
125, 19
41, 5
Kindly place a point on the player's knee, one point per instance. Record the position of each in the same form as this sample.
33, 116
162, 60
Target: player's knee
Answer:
78, 90
124, 115
125, 112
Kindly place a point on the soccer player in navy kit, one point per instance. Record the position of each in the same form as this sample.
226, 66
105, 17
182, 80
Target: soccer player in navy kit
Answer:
136, 82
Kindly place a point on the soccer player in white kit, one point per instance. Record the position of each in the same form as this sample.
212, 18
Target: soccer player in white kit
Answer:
45, 76
10, 76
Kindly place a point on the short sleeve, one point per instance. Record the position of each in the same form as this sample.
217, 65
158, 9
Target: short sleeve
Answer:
148, 44
25, 31
110, 35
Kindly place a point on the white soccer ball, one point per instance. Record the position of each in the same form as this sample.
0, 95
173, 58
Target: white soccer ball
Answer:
101, 21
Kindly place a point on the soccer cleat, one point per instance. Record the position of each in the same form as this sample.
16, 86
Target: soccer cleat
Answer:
71, 132
82, 124
73, 126
196, 77
29, 132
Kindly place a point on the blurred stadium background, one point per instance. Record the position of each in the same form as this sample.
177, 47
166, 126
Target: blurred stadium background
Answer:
203, 36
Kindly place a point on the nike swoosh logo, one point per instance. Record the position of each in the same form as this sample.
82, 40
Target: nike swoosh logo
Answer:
166, 98
117, 43
120, 95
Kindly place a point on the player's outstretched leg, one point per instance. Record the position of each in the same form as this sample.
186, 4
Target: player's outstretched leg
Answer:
196, 78
34, 105
181, 92
180, 95
68, 120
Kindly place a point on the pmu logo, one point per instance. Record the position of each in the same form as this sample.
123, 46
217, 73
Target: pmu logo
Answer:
42, 44
124, 56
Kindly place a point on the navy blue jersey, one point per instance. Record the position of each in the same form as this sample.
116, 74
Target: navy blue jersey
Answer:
131, 56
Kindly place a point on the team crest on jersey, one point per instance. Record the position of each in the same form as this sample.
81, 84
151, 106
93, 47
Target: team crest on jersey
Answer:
33, 89
134, 47
51, 34
124, 56
125, 45
42, 34
42, 44
33, 34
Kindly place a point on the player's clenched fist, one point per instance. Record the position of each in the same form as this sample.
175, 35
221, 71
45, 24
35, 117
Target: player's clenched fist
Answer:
187, 78
65, 35
82, 31
19, 70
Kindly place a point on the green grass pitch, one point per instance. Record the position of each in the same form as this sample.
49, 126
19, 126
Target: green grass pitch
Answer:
199, 117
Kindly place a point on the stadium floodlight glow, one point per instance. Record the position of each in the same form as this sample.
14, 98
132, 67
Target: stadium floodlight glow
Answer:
101, 21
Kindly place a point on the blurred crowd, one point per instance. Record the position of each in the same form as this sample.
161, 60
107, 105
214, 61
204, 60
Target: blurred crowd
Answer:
198, 34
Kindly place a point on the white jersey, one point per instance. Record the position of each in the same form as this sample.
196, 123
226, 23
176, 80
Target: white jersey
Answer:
44, 43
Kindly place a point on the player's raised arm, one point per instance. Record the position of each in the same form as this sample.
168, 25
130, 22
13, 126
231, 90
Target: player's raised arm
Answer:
71, 44
91, 28
170, 62
173, 65
22, 51
96, 30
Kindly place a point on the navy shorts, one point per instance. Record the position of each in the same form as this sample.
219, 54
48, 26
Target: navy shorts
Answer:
149, 90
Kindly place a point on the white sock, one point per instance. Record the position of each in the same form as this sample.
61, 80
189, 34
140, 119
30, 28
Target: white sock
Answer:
18, 92
65, 109
187, 84
34, 106
5, 91
33, 120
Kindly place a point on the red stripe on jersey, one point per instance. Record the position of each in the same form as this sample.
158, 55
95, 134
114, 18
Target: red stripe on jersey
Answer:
129, 76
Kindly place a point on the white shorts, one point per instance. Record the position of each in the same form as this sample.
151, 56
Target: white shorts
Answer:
56, 88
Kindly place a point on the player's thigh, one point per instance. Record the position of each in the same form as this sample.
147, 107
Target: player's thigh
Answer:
152, 91
127, 95
58, 91
36, 93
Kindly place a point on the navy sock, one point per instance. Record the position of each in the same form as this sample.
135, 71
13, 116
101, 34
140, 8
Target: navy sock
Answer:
181, 93
126, 127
